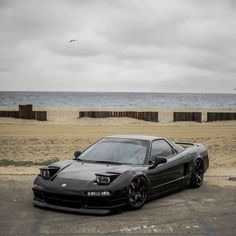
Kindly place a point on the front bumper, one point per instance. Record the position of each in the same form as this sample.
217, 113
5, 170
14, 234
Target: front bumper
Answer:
79, 203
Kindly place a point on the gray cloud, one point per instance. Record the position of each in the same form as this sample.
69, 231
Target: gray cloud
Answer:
124, 45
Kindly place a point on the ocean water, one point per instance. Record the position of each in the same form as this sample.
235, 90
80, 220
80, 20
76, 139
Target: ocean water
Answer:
118, 100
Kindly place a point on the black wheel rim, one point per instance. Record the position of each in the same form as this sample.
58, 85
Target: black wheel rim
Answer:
137, 192
198, 172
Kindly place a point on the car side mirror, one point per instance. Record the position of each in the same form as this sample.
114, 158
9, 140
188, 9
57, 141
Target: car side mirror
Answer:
157, 161
77, 154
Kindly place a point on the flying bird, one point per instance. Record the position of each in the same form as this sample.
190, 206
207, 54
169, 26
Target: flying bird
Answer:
72, 40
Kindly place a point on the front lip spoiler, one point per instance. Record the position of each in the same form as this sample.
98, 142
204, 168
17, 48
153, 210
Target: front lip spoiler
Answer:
83, 210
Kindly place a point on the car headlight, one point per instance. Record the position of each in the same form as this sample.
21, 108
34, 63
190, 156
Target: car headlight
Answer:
48, 172
44, 172
101, 179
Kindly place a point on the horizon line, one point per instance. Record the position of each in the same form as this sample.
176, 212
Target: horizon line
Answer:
71, 91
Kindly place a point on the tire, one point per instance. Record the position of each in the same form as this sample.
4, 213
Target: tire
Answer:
137, 193
198, 174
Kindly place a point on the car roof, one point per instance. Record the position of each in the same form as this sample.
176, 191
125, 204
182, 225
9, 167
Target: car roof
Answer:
137, 137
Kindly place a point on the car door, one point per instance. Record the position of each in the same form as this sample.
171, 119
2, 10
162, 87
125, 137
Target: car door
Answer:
165, 176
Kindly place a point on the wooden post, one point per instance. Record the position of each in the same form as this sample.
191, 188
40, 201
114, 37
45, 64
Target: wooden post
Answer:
26, 111
220, 116
40, 115
187, 116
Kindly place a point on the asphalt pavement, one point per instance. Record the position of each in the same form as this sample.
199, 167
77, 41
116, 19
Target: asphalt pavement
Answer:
209, 210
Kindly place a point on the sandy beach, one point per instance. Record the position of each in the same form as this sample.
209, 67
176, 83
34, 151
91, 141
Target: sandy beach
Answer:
27, 144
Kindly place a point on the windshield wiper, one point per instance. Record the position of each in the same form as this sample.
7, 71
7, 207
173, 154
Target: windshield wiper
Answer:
108, 162
79, 159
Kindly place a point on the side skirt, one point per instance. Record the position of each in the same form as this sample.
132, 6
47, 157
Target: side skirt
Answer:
168, 187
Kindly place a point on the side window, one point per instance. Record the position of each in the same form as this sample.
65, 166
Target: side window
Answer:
161, 148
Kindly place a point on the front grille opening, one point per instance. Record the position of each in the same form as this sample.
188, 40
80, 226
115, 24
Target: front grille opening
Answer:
38, 196
75, 201
64, 200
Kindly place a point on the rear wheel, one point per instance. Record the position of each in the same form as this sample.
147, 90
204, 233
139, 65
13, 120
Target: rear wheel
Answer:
198, 174
137, 193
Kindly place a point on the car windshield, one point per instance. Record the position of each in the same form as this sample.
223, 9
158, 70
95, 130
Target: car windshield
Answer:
117, 151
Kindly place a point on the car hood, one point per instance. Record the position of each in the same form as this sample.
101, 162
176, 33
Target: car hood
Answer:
76, 175
86, 171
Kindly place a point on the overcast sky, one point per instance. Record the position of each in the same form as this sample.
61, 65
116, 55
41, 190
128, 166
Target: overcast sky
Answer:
121, 45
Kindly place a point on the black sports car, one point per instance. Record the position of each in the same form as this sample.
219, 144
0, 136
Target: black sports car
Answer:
120, 171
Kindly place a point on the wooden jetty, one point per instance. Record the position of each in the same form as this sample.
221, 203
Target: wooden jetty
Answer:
187, 116
25, 112
218, 116
151, 116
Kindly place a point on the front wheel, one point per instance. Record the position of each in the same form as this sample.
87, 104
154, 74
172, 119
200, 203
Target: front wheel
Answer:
137, 193
198, 174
